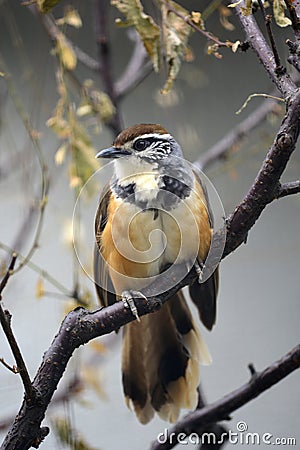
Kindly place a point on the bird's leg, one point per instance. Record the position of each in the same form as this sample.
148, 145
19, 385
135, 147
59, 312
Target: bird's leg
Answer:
128, 300
199, 267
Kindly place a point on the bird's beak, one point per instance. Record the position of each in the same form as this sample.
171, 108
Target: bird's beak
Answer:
112, 152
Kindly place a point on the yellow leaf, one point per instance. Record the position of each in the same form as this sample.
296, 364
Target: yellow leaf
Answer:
235, 46
144, 25
103, 105
279, 15
72, 18
59, 125
84, 110
39, 289
197, 18
60, 155
233, 5
65, 52
98, 347
67, 435
75, 181
213, 50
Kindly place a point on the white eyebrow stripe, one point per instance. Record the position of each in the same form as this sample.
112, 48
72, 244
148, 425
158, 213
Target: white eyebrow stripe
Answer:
153, 135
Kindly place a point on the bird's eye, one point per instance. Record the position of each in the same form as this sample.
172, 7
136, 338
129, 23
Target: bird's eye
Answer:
140, 144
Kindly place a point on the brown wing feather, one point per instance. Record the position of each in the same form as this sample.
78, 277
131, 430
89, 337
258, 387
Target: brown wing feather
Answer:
104, 287
204, 295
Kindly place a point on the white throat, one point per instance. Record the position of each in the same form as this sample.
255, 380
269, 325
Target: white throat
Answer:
144, 175
130, 169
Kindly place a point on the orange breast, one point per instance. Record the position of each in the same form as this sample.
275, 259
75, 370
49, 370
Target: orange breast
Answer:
137, 244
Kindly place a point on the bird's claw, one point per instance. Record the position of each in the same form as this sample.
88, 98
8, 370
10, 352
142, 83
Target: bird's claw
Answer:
199, 267
128, 301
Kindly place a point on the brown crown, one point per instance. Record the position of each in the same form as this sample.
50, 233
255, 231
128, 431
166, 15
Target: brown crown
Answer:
137, 130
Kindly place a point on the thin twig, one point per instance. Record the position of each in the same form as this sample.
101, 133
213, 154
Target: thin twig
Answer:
294, 18
289, 188
257, 41
195, 27
5, 320
8, 273
267, 18
219, 410
13, 369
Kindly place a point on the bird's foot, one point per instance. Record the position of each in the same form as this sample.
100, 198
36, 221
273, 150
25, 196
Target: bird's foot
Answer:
128, 301
199, 267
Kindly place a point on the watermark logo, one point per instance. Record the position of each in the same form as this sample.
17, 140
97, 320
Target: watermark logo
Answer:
152, 212
240, 436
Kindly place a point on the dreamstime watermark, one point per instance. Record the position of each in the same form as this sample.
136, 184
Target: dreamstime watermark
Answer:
239, 437
145, 241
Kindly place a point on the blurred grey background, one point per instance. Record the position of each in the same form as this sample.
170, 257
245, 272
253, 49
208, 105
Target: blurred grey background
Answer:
258, 309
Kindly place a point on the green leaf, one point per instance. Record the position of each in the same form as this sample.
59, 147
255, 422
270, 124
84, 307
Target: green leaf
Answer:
176, 33
144, 25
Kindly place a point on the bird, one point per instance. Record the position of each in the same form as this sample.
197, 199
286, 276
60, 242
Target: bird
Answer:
154, 213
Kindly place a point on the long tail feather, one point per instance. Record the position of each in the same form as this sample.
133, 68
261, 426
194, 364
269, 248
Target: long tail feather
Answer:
160, 362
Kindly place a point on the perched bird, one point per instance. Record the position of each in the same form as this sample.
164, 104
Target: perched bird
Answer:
155, 213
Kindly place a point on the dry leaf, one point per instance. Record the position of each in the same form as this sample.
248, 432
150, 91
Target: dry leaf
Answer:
176, 33
235, 46
144, 25
45, 6
60, 155
65, 52
39, 288
72, 18
279, 15
196, 18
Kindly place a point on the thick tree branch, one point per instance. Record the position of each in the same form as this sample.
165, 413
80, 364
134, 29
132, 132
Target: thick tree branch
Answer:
265, 186
257, 41
220, 410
